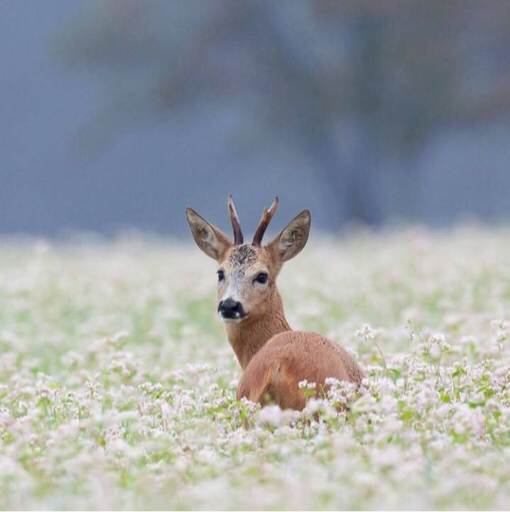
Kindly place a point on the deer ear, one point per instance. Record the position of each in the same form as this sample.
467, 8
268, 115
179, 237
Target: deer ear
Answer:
291, 241
209, 238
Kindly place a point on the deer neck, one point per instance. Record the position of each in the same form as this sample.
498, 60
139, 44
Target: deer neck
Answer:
247, 338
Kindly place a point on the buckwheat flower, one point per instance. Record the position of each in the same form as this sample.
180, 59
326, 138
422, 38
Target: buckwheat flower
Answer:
119, 336
460, 428
9, 468
388, 405
502, 335
500, 324
478, 398
365, 333
181, 464
302, 384
45, 392
435, 351
365, 403
271, 414
178, 375
400, 383
166, 410
117, 366
313, 405
386, 458
392, 426
151, 389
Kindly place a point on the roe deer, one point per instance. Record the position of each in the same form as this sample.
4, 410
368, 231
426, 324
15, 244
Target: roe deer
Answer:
274, 358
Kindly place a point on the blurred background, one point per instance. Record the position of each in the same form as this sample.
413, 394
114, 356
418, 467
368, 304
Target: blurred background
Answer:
118, 114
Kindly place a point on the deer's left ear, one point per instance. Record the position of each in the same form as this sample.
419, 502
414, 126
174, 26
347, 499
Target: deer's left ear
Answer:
291, 241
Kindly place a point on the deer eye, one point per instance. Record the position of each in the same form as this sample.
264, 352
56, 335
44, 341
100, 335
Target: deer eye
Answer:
261, 278
221, 275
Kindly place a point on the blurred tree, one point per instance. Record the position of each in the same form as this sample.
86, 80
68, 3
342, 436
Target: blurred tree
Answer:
346, 83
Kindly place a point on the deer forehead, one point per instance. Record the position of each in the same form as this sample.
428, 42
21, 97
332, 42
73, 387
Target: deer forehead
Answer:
246, 258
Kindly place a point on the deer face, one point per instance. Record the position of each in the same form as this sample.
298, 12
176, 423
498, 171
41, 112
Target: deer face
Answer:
245, 278
247, 272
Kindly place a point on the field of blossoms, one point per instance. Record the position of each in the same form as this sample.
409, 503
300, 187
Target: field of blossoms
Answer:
117, 383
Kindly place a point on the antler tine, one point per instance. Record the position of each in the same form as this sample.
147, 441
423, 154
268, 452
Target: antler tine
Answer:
238, 234
267, 215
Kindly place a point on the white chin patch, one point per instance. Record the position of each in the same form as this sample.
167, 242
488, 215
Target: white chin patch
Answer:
231, 320
235, 320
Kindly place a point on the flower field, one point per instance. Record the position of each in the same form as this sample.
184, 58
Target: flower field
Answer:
117, 382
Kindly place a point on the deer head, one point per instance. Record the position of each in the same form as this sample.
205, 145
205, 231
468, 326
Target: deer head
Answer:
247, 272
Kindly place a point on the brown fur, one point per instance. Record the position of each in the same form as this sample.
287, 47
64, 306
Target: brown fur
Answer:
274, 373
274, 358
249, 336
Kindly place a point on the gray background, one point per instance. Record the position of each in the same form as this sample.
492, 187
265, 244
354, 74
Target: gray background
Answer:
119, 114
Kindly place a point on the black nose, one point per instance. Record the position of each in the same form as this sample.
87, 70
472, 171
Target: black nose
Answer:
230, 308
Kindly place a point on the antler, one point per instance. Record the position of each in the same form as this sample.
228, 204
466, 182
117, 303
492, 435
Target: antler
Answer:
238, 234
267, 215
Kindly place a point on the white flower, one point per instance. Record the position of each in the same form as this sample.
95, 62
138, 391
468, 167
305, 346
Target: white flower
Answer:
365, 332
271, 414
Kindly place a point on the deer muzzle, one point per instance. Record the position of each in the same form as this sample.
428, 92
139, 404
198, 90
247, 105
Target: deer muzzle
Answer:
230, 309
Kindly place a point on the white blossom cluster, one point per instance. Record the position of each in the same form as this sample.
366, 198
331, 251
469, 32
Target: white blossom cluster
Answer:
117, 383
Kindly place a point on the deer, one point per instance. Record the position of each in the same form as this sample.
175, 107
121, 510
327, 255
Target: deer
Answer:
274, 358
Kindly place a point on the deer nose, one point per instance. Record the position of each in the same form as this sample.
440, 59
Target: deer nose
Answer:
230, 309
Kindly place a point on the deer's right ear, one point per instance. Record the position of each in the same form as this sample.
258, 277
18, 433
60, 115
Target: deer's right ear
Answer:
208, 237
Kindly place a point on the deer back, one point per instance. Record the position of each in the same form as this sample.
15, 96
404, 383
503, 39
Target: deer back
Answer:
274, 373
